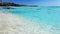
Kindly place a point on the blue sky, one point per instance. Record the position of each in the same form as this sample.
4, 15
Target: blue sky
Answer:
38, 2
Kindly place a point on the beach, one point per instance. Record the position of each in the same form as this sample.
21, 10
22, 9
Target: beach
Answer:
12, 24
30, 20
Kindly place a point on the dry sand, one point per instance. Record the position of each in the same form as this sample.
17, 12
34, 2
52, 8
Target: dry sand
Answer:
12, 24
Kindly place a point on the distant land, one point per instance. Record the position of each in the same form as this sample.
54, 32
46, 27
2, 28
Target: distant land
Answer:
13, 4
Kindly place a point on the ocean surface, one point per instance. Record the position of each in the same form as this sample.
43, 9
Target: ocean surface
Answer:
48, 17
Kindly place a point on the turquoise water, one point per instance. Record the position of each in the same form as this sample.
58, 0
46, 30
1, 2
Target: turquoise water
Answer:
45, 16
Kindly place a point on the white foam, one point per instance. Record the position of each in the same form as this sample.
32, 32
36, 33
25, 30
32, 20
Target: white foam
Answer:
12, 24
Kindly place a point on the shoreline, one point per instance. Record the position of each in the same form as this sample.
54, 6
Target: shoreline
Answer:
13, 24
10, 22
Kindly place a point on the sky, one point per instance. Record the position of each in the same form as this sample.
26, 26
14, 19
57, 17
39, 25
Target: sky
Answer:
37, 2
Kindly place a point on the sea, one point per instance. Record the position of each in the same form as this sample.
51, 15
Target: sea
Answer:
47, 17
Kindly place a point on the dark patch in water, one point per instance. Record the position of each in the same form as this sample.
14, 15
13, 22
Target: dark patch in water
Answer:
39, 9
8, 8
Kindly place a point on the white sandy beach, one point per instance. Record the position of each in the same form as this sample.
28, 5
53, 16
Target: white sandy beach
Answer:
12, 24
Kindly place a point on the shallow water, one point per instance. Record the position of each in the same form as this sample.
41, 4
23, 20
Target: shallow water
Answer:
48, 17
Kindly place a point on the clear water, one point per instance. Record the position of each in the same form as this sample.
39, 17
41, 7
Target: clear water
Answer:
46, 16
